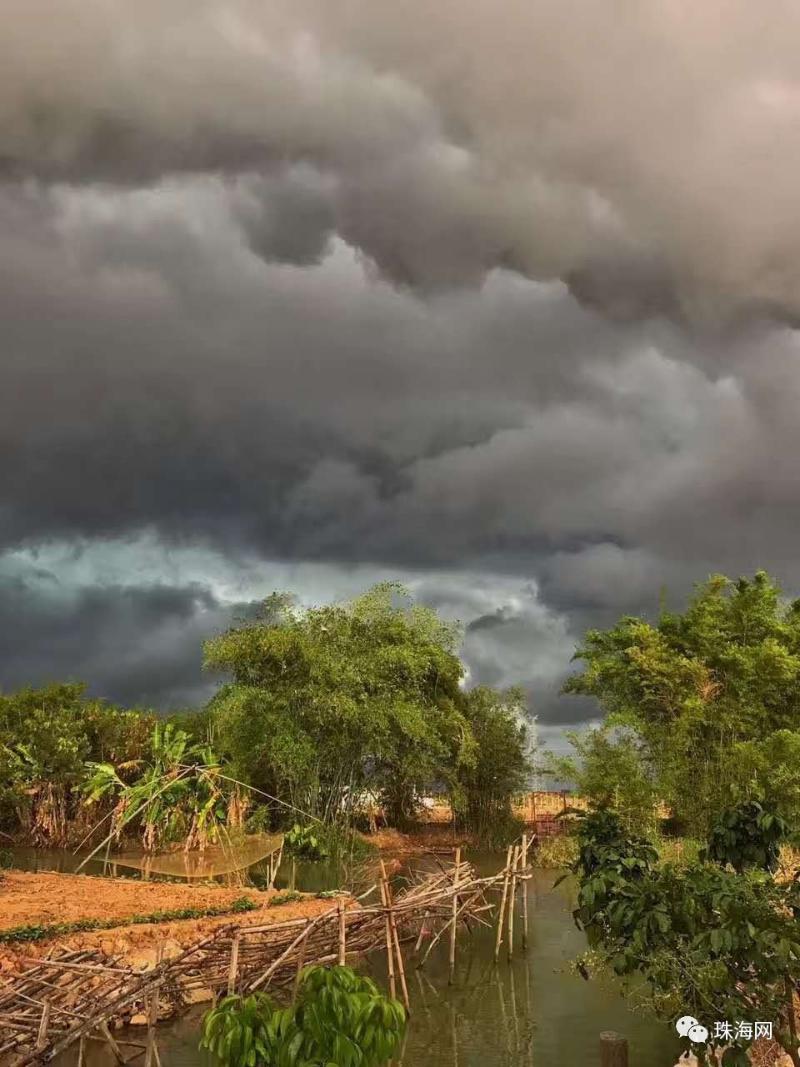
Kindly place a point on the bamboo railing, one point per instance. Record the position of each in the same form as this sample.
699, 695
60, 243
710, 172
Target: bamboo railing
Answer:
68, 997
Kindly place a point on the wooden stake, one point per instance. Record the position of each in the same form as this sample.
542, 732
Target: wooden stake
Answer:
233, 970
41, 1037
524, 892
613, 1050
82, 1051
422, 931
401, 969
511, 901
454, 927
152, 1019
501, 916
342, 933
104, 1030
388, 933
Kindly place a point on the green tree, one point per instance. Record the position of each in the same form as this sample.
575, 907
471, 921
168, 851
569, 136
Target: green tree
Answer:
610, 769
698, 685
46, 737
708, 941
326, 701
500, 765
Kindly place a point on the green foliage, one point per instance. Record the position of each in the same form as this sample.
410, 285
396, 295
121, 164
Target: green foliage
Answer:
499, 766
707, 940
288, 896
340, 1018
46, 737
176, 794
305, 843
746, 836
326, 703
43, 931
610, 768
556, 852
712, 696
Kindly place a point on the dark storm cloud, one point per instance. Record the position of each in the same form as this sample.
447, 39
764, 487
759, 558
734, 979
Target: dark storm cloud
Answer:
130, 645
419, 287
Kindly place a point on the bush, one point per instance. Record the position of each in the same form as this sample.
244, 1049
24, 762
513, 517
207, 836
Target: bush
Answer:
306, 843
339, 1018
556, 852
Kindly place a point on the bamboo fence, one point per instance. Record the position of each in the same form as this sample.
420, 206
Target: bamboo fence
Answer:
71, 997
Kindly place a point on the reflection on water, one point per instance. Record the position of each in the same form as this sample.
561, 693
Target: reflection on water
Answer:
530, 1011
293, 874
213, 862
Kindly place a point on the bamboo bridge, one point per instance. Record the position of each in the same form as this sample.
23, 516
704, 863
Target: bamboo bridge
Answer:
71, 997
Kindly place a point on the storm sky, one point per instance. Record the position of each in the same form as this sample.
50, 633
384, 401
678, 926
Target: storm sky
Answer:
496, 298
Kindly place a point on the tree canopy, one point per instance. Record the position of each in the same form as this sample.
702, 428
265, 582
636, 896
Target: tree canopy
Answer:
712, 695
327, 702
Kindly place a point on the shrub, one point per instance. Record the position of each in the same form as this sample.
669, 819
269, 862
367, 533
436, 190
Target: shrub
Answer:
339, 1018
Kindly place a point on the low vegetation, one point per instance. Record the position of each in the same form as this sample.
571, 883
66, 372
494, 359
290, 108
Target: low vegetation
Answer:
44, 931
338, 1017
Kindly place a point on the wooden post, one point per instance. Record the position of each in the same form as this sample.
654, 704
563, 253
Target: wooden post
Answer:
342, 933
524, 892
104, 1030
501, 916
401, 970
41, 1037
512, 893
152, 1019
422, 931
613, 1049
233, 970
82, 1051
454, 920
388, 934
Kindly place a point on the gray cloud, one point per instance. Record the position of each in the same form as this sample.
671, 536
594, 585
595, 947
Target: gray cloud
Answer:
418, 291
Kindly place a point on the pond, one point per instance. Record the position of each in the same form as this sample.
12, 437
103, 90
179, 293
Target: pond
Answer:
532, 1010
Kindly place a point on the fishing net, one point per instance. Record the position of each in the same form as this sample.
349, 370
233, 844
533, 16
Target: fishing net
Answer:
223, 858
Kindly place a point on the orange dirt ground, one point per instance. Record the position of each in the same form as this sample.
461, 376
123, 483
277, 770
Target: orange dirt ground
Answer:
38, 898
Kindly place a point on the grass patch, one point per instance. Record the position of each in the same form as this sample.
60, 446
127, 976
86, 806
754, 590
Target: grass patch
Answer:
42, 931
288, 896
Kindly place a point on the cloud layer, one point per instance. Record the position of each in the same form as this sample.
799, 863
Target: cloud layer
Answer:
503, 302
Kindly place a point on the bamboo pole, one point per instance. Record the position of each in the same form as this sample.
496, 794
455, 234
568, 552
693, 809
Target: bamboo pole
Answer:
511, 901
454, 927
401, 970
524, 893
501, 916
422, 931
233, 970
288, 951
41, 1037
388, 934
112, 1044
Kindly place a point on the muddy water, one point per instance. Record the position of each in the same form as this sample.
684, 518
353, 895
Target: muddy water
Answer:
530, 1011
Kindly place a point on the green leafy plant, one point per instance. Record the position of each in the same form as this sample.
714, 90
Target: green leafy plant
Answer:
288, 896
305, 843
339, 1018
748, 835
707, 940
